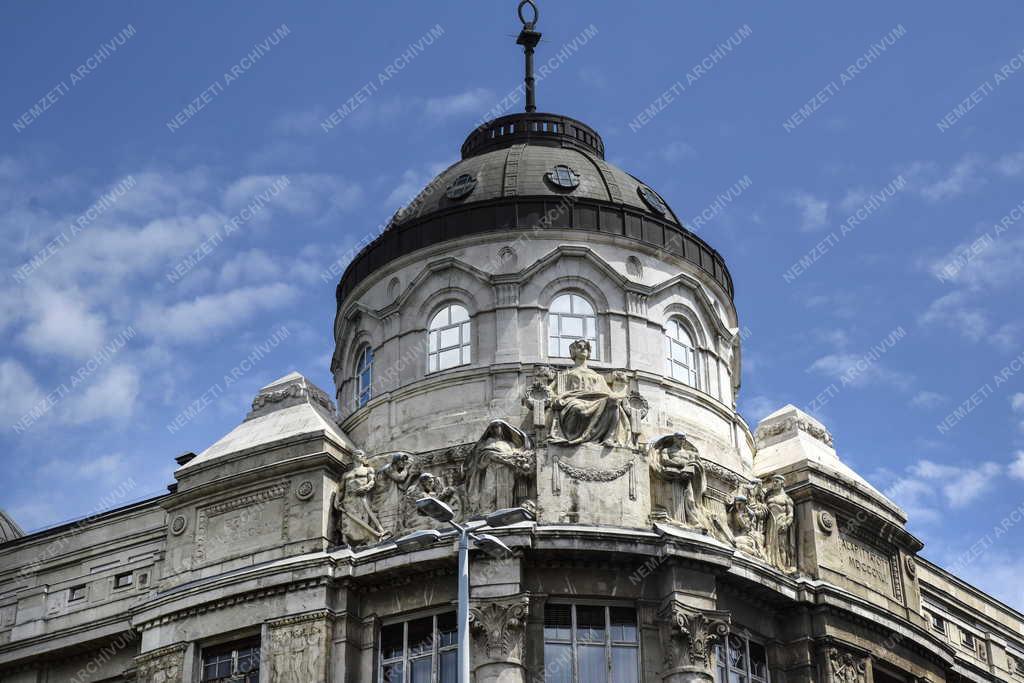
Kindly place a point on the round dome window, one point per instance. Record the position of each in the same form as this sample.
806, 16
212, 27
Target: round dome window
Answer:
461, 187
563, 177
652, 199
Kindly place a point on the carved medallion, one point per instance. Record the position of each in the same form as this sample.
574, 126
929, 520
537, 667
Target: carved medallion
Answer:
826, 522
305, 490
178, 525
911, 566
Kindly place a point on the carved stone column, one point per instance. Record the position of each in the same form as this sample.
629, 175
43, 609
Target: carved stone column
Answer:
688, 639
296, 648
499, 638
165, 665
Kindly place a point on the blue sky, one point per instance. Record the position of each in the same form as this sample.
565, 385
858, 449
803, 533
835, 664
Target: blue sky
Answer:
897, 317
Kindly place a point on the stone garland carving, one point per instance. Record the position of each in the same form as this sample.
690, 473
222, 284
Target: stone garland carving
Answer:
790, 424
165, 665
296, 652
292, 391
579, 405
688, 637
845, 668
592, 474
499, 627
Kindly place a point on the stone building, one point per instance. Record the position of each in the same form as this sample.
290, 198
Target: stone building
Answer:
537, 328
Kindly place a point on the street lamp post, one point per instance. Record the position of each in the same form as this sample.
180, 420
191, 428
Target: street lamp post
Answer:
439, 510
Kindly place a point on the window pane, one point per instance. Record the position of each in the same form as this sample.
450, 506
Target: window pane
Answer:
590, 625
433, 362
592, 664
572, 327
623, 624
557, 663
391, 641
419, 670
421, 635
433, 342
393, 673
624, 665
465, 355
459, 314
449, 337
553, 346
465, 332
581, 305
564, 350
737, 678
557, 622
449, 358
561, 304
737, 652
448, 672
758, 661
590, 333
440, 319
447, 629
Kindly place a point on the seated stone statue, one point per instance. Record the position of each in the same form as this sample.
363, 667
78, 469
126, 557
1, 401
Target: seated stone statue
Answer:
586, 409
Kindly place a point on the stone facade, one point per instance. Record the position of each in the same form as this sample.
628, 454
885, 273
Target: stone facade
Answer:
568, 349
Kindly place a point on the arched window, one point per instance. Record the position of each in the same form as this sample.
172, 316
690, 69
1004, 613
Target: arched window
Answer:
450, 341
571, 317
682, 361
364, 377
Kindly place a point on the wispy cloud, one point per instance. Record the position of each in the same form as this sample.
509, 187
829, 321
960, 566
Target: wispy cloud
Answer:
813, 210
936, 184
468, 103
926, 487
928, 399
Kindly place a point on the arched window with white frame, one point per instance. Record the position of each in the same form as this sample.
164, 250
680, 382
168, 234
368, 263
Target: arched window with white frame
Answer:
449, 338
571, 317
681, 355
364, 376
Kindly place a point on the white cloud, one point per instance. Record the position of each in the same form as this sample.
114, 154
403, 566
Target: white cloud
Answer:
677, 150
61, 323
857, 370
304, 194
206, 316
1017, 466
983, 263
18, 392
927, 399
111, 396
813, 211
253, 265
955, 311
474, 101
927, 487
300, 122
1011, 164
936, 185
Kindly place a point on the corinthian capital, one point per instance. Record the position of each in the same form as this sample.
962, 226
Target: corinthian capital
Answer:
499, 626
689, 636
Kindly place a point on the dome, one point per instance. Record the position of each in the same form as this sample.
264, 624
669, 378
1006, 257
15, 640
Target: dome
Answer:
534, 171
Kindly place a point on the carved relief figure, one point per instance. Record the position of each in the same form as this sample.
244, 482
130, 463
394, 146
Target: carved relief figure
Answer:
357, 523
296, 652
428, 484
742, 526
780, 536
845, 667
392, 481
497, 468
674, 461
162, 666
587, 409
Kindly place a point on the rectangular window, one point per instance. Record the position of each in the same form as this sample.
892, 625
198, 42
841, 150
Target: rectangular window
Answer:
590, 644
938, 623
967, 639
123, 580
77, 593
421, 650
740, 659
237, 662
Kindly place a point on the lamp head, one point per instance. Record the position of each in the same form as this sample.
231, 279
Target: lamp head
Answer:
507, 516
418, 539
435, 509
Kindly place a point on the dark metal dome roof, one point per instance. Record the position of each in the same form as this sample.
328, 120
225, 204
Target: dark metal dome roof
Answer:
503, 183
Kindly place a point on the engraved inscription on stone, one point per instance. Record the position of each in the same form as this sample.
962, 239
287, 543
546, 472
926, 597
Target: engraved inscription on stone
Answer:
242, 524
866, 564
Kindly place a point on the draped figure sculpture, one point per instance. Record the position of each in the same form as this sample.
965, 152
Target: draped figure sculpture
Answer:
497, 469
586, 408
674, 462
779, 532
